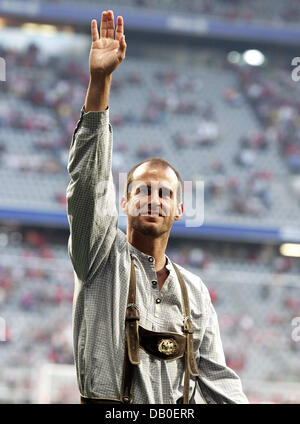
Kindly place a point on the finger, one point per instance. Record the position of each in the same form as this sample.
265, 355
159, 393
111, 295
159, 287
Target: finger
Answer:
110, 24
94, 30
122, 46
119, 28
103, 26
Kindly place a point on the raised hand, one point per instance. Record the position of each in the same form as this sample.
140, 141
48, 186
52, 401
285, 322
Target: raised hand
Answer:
108, 51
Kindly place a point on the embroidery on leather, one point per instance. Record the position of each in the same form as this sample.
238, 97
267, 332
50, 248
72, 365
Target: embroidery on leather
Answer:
167, 346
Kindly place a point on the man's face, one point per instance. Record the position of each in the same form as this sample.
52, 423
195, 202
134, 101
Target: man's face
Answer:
152, 205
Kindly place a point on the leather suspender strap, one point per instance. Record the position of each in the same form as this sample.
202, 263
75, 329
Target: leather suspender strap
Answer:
190, 362
132, 318
127, 387
188, 327
132, 355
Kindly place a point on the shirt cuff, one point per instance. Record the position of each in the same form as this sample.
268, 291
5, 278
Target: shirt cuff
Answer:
93, 119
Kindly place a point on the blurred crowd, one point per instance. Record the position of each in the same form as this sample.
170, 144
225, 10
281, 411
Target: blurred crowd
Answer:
251, 198
274, 97
36, 294
44, 94
251, 10
36, 290
210, 256
252, 286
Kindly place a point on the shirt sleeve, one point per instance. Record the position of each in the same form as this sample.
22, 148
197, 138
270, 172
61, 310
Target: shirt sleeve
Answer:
217, 382
91, 205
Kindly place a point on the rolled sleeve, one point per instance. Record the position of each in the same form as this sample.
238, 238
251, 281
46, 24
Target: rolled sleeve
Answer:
91, 205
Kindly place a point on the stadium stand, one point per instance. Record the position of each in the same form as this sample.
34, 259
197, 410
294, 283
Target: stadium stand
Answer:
273, 12
229, 125
186, 116
255, 294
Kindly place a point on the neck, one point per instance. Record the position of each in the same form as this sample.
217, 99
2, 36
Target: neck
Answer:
149, 245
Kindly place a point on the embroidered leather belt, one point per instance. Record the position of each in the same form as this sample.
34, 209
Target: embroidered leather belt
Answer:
166, 346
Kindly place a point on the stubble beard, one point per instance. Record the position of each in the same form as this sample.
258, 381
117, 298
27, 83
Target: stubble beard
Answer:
148, 229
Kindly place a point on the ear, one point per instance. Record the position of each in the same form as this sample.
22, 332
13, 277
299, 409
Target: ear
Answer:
123, 204
178, 211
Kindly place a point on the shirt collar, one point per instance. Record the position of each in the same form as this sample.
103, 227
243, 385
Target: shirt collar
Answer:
143, 255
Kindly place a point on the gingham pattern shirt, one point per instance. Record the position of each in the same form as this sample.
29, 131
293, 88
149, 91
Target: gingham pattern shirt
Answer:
101, 255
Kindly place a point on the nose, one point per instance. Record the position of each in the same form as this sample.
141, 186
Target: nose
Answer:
155, 197
154, 200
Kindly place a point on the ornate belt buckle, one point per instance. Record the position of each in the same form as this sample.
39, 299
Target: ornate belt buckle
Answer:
167, 346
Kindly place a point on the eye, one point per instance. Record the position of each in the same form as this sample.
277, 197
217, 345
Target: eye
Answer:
165, 193
144, 190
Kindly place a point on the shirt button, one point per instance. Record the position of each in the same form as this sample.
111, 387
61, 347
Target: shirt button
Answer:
158, 300
154, 283
150, 259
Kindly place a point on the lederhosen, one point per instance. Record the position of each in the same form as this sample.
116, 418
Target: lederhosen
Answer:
162, 345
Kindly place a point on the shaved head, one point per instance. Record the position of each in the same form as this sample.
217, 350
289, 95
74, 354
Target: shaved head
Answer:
154, 162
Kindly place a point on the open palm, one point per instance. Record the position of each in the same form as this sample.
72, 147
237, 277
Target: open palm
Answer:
108, 51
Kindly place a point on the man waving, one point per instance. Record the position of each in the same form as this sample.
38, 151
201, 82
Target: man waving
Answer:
145, 330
